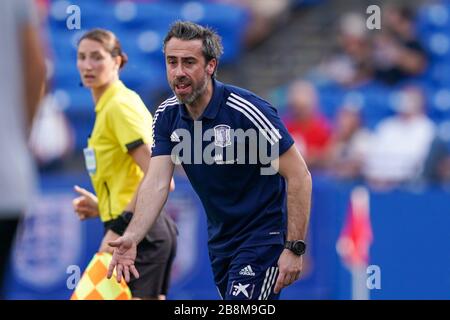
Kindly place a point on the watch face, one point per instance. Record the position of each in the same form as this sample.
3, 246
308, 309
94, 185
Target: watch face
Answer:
299, 247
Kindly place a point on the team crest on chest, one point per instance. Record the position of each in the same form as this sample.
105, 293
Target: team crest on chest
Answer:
222, 135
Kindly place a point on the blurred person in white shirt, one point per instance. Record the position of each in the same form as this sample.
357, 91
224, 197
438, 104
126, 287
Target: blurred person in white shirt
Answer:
400, 143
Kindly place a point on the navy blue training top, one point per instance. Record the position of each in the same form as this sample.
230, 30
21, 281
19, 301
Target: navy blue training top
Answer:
224, 154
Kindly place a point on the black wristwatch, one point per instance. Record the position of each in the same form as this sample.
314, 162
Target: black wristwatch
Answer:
298, 247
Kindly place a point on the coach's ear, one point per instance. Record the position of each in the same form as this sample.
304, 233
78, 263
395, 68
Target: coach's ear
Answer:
211, 66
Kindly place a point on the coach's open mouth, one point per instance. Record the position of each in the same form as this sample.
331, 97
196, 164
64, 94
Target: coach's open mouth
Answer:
182, 88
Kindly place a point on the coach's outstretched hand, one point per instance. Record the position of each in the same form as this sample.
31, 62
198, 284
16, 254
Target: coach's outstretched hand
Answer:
123, 258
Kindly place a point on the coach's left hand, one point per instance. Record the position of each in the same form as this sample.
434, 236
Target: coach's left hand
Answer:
290, 267
124, 256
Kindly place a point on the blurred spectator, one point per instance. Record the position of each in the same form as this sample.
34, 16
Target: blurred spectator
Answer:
43, 8
264, 17
351, 66
309, 128
22, 77
401, 143
48, 148
397, 52
349, 144
443, 170
437, 165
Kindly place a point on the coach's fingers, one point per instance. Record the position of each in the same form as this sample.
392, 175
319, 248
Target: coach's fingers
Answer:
126, 272
116, 243
111, 267
289, 279
297, 276
280, 283
119, 269
134, 271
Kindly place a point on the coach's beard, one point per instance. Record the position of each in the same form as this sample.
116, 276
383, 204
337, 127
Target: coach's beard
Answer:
196, 92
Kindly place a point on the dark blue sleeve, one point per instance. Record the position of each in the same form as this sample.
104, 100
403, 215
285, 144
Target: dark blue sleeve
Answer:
161, 135
285, 140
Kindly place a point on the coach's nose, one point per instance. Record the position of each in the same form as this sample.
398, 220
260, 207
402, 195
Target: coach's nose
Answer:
179, 71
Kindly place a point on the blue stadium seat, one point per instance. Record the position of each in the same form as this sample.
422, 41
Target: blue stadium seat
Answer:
156, 15
93, 14
64, 43
229, 21
438, 101
66, 74
437, 44
144, 76
433, 17
143, 45
80, 99
330, 99
440, 73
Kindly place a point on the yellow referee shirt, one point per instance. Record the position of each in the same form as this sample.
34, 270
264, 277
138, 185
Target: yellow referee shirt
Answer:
122, 123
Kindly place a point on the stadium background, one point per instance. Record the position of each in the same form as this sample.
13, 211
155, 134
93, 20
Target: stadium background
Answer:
265, 50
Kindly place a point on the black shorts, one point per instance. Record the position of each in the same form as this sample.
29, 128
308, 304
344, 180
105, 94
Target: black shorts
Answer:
155, 255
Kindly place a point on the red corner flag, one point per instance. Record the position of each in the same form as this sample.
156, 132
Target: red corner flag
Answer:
356, 236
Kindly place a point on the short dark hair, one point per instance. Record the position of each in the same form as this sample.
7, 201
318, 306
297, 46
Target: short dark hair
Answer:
185, 30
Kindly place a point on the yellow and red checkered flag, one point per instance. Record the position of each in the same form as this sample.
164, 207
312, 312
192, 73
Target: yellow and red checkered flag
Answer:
94, 285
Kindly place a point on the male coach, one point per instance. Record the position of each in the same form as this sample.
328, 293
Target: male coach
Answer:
256, 224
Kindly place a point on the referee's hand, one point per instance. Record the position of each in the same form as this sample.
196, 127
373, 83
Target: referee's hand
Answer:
86, 205
290, 267
123, 258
